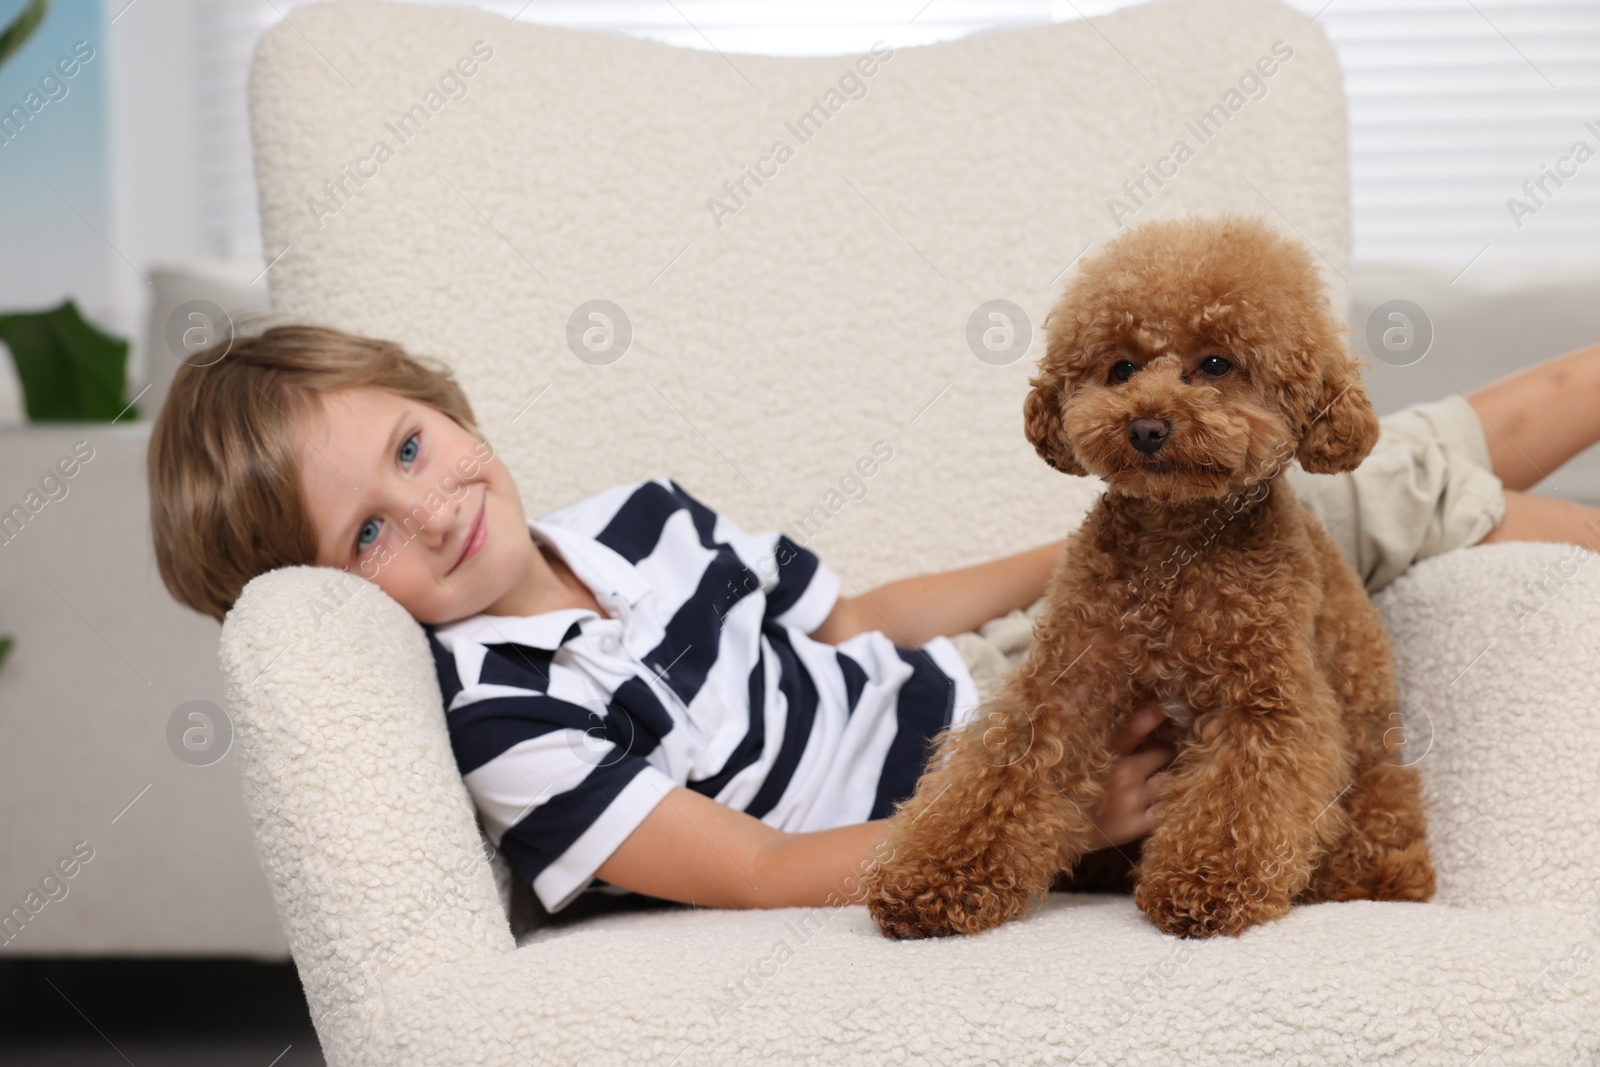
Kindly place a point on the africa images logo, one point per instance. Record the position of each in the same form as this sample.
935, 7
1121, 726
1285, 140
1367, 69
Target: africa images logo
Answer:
852, 85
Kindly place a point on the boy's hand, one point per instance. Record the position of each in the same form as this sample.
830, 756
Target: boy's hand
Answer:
1126, 815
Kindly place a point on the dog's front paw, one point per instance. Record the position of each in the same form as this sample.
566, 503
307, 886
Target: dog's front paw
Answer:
1208, 903
931, 902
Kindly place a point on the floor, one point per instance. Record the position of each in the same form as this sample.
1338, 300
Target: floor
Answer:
174, 1053
183, 1012
153, 1013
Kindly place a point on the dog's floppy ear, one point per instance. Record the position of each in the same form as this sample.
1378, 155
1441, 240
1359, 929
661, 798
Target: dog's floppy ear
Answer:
1041, 419
1342, 426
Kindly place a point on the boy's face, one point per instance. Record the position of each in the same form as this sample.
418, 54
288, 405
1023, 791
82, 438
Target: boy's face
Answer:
395, 489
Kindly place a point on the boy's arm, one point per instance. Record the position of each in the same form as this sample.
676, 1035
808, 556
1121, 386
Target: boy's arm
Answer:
912, 610
694, 850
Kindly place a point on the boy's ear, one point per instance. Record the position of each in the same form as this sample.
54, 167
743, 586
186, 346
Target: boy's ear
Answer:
1341, 426
1041, 420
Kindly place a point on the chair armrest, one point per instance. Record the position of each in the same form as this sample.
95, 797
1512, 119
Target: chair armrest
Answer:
1497, 652
362, 824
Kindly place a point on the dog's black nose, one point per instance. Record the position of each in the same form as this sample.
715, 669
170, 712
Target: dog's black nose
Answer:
1148, 435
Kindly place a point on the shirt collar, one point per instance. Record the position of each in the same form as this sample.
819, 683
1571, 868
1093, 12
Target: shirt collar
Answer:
607, 574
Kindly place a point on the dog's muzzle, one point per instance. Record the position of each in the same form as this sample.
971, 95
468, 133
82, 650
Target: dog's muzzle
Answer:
1148, 435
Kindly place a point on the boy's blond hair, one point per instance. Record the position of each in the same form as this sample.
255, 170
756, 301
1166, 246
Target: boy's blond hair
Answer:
224, 459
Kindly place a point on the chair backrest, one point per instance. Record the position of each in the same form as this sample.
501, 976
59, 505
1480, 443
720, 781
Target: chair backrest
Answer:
800, 246
801, 255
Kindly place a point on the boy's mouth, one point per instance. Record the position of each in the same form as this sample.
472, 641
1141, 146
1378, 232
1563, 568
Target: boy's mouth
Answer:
477, 534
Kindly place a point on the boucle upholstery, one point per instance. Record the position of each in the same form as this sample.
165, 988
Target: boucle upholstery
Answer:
827, 312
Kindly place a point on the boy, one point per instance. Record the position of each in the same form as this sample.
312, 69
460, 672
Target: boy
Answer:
640, 692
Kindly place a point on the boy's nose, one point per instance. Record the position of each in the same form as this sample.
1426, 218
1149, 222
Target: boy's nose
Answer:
436, 527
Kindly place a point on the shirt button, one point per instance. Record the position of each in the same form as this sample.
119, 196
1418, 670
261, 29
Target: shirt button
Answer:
609, 643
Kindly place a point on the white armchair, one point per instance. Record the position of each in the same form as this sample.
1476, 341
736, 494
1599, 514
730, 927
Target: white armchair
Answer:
774, 338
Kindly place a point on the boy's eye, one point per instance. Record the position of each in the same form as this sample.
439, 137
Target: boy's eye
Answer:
408, 454
1122, 370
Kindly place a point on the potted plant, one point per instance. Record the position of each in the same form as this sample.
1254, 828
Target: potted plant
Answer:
70, 370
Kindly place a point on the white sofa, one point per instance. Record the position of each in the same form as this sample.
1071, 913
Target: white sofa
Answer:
190, 829
827, 312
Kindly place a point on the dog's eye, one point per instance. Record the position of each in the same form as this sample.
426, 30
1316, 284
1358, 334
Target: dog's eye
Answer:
1122, 370
1215, 366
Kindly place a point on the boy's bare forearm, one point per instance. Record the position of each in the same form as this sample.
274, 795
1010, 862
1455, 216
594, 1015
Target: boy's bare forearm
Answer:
817, 867
912, 610
693, 849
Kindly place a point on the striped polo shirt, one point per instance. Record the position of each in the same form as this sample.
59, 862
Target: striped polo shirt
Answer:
569, 728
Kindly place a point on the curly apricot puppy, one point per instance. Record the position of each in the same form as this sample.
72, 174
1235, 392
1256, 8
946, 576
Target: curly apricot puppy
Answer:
1187, 364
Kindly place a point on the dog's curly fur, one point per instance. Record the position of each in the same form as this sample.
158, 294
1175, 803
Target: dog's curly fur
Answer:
1198, 579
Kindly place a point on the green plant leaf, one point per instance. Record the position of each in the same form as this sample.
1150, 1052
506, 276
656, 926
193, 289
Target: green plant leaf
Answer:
70, 371
21, 28
5, 649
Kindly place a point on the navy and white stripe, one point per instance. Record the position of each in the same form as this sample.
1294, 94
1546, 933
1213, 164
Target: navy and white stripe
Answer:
569, 728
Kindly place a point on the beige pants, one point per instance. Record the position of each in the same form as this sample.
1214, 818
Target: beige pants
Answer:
1426, 488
